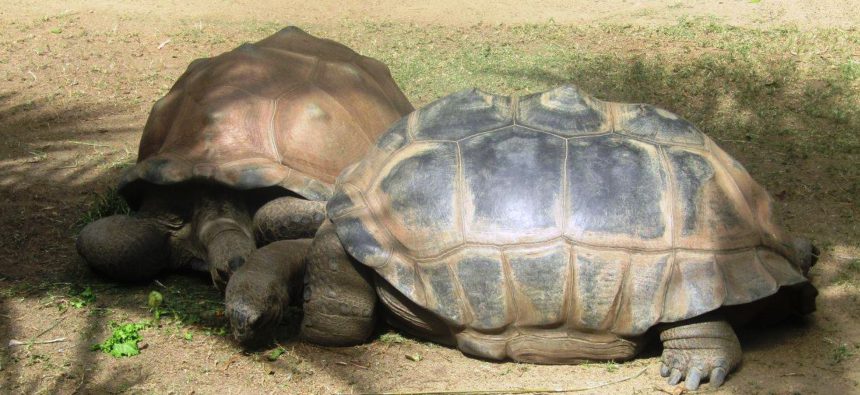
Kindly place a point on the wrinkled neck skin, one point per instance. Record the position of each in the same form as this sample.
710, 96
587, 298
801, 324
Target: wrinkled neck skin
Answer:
193, 215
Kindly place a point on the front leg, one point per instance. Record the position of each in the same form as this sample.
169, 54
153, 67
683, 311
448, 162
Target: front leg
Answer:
698, 349
340, 300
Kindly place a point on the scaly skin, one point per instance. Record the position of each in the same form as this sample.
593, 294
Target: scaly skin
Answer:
699, 350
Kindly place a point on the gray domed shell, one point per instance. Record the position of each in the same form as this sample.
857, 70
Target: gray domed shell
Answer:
559, 209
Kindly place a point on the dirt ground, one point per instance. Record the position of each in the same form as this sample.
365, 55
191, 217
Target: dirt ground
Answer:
77, 79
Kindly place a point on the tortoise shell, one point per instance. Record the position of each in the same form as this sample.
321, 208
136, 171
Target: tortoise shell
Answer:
559, 210
291, 110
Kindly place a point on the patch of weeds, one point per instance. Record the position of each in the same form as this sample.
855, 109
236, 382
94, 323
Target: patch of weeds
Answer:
104, 205
392, 338
840, 352
850, 70
610, 366
83, 298
124, 340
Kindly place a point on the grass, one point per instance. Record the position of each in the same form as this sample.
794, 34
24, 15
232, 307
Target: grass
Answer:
850, 275
103, 205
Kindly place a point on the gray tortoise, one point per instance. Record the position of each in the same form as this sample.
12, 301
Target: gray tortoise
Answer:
244, 149
552, 228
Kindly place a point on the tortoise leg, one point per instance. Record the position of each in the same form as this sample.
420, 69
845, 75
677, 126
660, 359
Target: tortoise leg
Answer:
288, 218
695, 350
125, 248
259, 292
339, 298
223, 227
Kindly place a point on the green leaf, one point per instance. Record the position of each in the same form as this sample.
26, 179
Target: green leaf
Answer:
123, 340
126, 349
276, 353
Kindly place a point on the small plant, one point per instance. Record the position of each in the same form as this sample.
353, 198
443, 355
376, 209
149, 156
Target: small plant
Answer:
275, 354
124, 340
83, 299
154, 301
611, 366
841, 351
392, 338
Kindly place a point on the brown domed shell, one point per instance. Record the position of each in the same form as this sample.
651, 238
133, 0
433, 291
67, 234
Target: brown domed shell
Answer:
291, 110
505, 215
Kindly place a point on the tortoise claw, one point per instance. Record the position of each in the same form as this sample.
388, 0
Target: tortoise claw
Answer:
694, 376
718, 376
676, 376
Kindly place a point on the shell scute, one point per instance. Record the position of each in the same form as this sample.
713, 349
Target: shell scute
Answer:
519, 197
482, 276
618, 193
597, 280
443, 120
650, 122
696, 286
419, 191
644, 290
440, 287
565, 111
711, 211
540, 276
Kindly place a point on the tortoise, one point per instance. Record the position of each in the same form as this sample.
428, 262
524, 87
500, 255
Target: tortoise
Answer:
243, 149
551, 228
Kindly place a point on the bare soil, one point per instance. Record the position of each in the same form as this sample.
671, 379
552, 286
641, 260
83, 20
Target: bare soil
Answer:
77, 79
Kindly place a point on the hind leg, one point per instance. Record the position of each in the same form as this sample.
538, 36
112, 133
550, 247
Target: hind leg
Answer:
706, 348
125, 248
339, 299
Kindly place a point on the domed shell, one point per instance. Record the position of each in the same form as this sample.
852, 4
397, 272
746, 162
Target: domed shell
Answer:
559, 210
291, 110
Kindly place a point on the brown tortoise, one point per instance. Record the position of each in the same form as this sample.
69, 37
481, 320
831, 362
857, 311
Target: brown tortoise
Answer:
552, 228
249, 141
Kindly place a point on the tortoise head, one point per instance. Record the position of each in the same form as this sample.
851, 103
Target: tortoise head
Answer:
252, 312
807, 254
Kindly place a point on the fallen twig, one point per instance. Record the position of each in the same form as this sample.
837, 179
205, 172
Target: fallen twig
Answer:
514, 391
13, 342
163, 43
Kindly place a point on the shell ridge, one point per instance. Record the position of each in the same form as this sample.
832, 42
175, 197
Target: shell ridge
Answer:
671, 181
273, 139
460, 192
510, 291
569, 313
621, 296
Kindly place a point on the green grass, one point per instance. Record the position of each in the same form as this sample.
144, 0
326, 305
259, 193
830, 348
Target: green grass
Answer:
103, 205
